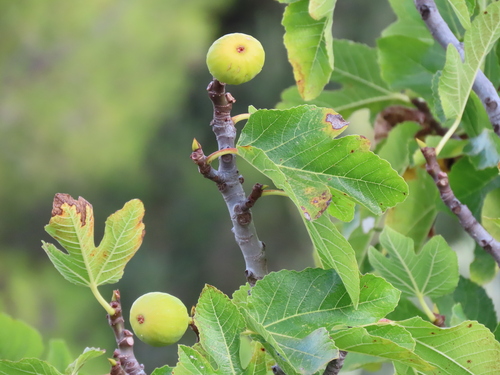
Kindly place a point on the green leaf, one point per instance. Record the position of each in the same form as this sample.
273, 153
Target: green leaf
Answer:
405, 309
357, 70
72, 225
492, 67
297, 150
192, 362
457, 77
469, 348
458, 315
27, 366
361, 237
475, 118
384, 340
409, 22
484, 150
400, 145
409, 63
453, 148
401, 369
483, 268
462, 12
87, 355
220, 325
59, 355
356, 361
471, 185
476, 303
291, 313
308, 42
259, 362
335, 252
432, 272
450, 17
164, 370
491, 213
415, 217
18, 339
319, 9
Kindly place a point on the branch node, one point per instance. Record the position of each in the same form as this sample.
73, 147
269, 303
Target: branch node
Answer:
251, 278
425, 11
230, 99
243, 215
491, 104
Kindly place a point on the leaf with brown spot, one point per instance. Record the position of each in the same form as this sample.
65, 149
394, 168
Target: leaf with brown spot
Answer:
449, 349
309, 45
72, 225
297, 148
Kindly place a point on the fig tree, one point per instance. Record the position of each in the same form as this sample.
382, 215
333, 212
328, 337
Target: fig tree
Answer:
159, 319
235, 58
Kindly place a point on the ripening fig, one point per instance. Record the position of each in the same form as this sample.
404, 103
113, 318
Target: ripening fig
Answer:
159, 319
235, 58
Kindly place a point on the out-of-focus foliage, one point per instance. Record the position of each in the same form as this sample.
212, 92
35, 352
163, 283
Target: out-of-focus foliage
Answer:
83, 87
102, 99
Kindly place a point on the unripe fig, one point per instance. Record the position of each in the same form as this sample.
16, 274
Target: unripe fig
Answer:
159, 319
235, 58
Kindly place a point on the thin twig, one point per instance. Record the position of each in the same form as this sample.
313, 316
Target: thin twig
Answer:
464, 215
444, 36
230, 182
334, 367
252, 198
124, 339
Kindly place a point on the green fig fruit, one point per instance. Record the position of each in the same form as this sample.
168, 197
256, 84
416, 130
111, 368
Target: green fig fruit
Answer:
235, 58
159, 319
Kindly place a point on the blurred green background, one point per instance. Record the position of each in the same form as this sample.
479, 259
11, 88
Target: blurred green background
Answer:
102, 99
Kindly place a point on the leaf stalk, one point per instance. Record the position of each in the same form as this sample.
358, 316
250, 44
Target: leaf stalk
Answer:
101, 299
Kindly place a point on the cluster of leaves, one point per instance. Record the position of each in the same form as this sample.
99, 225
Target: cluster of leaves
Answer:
300, 320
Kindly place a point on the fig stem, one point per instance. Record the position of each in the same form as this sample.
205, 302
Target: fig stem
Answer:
218, 154
238, 118
268, 192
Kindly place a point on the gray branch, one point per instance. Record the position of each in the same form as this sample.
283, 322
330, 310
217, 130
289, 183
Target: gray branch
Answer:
334, 367
229, 182
444, 36
463, 213
124, 355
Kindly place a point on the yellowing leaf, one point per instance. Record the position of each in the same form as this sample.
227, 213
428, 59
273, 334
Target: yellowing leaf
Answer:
309, 45
72, 225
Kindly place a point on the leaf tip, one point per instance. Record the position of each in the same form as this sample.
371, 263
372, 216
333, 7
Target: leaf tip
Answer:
80, 205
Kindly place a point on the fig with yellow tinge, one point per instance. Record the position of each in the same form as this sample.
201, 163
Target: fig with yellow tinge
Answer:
159, 319
235, 58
